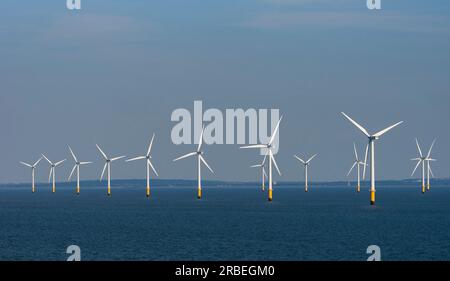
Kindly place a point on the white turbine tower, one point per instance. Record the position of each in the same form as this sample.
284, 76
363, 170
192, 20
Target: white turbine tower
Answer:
33, 167
306, 164
425, 161
52, 172
263, 171
148, 164
372, 139
428, 160
77, 167
107, 165
200, 159
358, 165
269, 148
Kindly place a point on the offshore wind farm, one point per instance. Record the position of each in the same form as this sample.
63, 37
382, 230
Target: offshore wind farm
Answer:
225, 130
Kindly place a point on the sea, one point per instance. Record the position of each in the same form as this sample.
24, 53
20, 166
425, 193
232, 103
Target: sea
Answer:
232, 222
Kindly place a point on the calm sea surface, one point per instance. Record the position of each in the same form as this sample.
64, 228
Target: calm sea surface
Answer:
229, 223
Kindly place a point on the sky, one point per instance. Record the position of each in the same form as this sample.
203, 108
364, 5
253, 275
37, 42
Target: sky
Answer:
113, 73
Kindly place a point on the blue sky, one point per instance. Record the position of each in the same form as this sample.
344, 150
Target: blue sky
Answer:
113, 72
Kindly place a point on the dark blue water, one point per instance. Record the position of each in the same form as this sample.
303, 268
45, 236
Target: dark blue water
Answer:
229, 223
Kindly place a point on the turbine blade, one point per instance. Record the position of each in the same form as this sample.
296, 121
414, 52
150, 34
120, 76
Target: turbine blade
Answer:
50, 162
26, 164
299, 159
264, 160
117, 158
361, 128
275, 163
206, 164
84, 163
418, 147
37, 162
153, 168
150, 146
356, 153
60, 162
418, 163
264, 173
255, 166
351, 169
309, 160
71, 173
50, 175
382, 132
136, 158
254, 146
103, 172
73, 155
431, 171
200, 141
275, 131
416, 159
365, 161
101, 151
185, 156
431, 148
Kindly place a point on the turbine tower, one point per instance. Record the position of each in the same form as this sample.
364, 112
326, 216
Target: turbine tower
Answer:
372, 139
306, 164
269, 153
107, 165
53, 171
263, 171
77, 167
199, 153
148, 164
33, 167
358, 165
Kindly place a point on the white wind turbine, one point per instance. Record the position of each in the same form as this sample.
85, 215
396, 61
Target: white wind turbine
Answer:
358, 165
107, 165
200, 159
269, 147
306, 164
372, 139
33, 167
52, 172
77, 167
263, 171
148, 164
424, 160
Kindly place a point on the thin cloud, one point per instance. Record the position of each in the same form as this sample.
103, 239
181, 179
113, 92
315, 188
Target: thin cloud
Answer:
332, 19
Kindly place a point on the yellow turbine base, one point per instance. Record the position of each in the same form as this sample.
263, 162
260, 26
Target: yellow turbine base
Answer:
372, 197
199, 193
109, 191
78, 190
423, 188
428, 187
147, 191
358, 188
270, 194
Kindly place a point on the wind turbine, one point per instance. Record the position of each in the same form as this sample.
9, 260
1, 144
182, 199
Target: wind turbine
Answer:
269, 147
33, 167
107, 165
52, 172
424, 160
372, 139
148, 164
200, 159
306, 164
263, 171
77, 167
428, 160
357, 164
